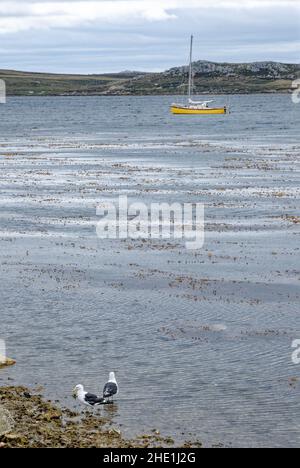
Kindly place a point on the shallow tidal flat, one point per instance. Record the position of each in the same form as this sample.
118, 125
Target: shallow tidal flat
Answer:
200, 340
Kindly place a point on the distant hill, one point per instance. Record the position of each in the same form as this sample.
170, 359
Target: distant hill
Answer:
209, 78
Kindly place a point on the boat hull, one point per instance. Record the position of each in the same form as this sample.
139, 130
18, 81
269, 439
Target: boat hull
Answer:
190, 111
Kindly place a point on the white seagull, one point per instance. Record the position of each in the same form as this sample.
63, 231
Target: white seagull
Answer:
111, 388
86, 398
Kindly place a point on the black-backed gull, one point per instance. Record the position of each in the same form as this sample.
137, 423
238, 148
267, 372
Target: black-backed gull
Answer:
111, 388
88, 399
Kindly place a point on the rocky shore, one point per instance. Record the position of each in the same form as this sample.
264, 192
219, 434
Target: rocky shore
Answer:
27, 420
6, 362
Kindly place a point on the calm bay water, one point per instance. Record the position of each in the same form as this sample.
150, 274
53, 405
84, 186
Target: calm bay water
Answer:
200, 340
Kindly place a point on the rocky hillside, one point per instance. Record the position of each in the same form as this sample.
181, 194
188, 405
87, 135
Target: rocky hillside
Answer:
267, 70
209, 78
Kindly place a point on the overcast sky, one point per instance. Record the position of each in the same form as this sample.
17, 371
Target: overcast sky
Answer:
95, 36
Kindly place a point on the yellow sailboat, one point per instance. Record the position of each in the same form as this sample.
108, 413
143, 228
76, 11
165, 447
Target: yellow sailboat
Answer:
195, 107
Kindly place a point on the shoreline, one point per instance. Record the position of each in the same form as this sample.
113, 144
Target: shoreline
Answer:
286, 92
27, 420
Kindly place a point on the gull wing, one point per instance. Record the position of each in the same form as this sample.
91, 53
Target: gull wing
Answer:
93, 399
110, 390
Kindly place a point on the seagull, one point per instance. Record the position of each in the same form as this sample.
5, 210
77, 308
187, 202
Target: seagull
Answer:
111, 387
86, 398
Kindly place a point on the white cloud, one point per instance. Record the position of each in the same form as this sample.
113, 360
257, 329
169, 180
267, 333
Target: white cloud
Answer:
17, 16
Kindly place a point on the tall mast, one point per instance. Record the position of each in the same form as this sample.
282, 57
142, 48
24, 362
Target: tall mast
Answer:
191, 68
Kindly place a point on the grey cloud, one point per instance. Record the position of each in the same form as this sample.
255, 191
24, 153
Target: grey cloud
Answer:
271, 33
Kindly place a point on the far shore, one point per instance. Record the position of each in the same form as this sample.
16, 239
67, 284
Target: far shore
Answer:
209, 79
242, 93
